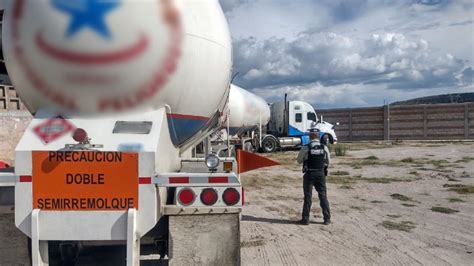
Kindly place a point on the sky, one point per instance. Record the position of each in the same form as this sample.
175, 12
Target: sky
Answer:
352, 53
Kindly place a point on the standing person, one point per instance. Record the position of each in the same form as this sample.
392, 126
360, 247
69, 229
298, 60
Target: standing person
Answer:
316, 159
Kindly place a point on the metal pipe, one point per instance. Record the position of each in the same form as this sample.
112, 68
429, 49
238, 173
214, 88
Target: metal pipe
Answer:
260, 132
198, 160
285, 114
228, 130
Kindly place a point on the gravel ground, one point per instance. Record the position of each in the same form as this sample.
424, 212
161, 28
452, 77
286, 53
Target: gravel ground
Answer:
391, 204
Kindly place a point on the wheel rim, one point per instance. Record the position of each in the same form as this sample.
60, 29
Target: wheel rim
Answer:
269, 145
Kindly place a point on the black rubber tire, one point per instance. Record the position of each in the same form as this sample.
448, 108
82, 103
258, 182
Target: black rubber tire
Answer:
269, 145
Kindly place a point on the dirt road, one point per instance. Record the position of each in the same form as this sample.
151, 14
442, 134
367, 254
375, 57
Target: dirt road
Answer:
391, 204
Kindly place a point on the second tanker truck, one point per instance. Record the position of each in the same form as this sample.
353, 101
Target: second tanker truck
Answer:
258, 126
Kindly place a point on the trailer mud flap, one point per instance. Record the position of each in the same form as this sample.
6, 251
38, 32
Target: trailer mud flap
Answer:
204, 239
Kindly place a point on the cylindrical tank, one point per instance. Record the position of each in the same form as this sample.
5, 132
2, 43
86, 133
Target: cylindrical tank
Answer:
246, 110
101, 57
289, 141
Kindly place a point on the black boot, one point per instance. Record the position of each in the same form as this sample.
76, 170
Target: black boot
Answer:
303, 222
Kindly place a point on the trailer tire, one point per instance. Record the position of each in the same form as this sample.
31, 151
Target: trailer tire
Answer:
269, 144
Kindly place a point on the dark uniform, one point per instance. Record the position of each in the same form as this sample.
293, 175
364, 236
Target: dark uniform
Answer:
315, 176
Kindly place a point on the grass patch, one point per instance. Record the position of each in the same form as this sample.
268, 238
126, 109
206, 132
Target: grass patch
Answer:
407, 160
339, 177
465, 159
456, 200
405, 226
465, 175
459, 188
359, 208
383, 180
340, 173
423, 169
441, 165
346, 187
372, 157
442, 170
408, 205
373, 160
344, 180
395, 216
400, 197
340, 149
358, 163
444, 210
377, 201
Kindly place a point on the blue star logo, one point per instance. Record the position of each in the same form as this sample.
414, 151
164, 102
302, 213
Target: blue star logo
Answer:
87, 14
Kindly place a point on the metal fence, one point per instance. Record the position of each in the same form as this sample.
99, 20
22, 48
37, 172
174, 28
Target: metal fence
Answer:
409, 122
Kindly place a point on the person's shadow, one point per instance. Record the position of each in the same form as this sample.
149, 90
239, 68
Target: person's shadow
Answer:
267, 220
271, 220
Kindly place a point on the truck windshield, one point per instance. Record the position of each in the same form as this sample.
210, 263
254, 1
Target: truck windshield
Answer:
311, 116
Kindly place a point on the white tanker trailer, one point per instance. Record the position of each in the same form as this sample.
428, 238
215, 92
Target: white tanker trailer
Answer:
256, 126
120, 91
247, 111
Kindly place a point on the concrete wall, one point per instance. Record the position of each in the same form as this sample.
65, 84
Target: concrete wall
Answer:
410, 122
9, 100
12, 126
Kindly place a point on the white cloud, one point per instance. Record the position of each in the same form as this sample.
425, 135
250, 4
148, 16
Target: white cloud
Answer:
331, 58
363, 51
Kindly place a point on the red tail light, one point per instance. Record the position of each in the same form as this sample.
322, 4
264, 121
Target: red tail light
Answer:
186, 196
231, 196
209, 196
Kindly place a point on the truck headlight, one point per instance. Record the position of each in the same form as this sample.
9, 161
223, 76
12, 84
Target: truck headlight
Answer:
212, 161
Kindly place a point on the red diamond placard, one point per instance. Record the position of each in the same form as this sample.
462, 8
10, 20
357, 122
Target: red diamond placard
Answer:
52, 129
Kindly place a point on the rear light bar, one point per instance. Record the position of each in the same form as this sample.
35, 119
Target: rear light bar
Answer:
209, 196
176, 180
